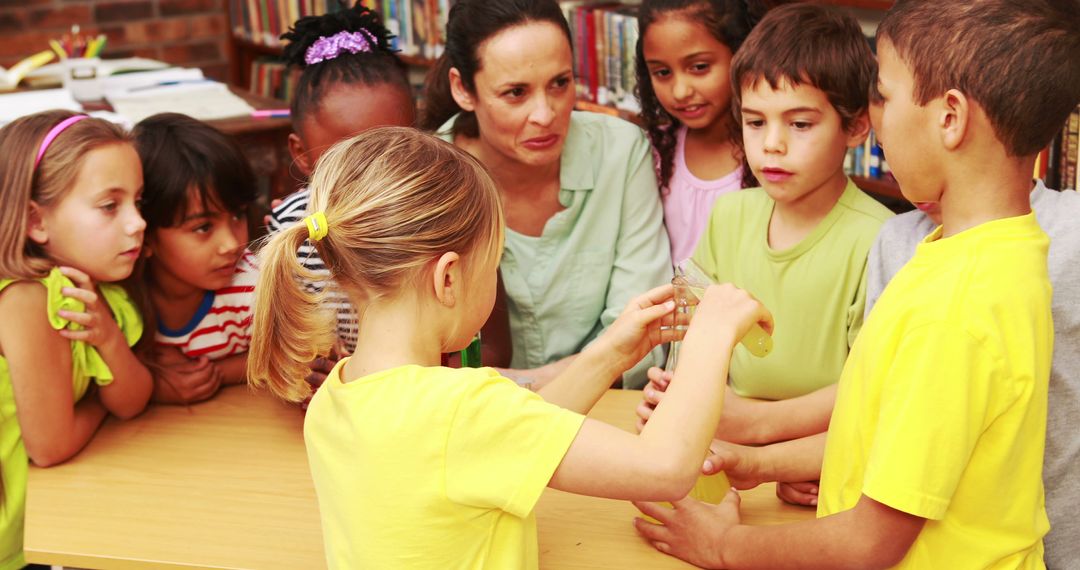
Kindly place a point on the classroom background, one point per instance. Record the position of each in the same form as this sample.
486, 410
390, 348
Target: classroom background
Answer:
229, 52
220, 61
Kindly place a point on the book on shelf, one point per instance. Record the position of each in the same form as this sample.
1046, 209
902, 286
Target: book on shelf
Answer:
271, 78
604, 38
868, 161
1058, 165
262, 22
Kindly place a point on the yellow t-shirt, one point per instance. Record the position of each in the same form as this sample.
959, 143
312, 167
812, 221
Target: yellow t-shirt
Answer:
941, 410
434, 467
86, 365
816, 290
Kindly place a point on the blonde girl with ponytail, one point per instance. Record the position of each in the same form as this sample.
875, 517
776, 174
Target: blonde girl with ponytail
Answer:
420, 466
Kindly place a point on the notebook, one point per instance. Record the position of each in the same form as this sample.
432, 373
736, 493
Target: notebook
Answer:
204, 100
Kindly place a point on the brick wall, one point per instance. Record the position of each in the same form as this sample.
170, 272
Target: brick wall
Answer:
190, 33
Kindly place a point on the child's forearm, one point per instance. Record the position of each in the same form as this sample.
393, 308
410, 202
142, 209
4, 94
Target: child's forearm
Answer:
792, 461
580, 380
88, 415
126, 396
757, 422
871, 535
233, 369
681, 428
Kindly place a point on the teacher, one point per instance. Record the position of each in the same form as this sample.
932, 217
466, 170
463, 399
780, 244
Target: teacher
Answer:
584, 221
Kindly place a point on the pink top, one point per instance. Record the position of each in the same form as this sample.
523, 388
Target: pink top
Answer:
688, 201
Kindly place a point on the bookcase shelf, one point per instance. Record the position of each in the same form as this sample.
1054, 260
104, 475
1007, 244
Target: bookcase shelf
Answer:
245, 51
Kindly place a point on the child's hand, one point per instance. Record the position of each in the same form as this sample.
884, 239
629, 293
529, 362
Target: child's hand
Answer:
320, 367
693, 531
98, 324
738, 462
639, 328
652, 394
181, 380
727, 306
804, 494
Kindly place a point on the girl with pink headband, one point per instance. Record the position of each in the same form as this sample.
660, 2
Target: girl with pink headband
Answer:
71, 229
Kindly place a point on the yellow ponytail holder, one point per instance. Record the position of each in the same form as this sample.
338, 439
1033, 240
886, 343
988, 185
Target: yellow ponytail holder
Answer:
317, 227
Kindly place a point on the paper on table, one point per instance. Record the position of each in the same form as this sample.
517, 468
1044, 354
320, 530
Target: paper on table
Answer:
204, 101
15, 105
120, 86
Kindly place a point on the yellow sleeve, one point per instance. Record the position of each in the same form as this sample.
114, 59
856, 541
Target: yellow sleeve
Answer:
504, 445
943, 390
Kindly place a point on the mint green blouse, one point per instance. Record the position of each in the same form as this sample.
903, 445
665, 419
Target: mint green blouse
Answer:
86, 365
607, 246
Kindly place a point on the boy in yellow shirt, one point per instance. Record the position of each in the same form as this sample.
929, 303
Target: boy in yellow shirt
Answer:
934, 452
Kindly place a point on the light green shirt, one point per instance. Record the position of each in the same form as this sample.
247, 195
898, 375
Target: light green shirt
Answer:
607, 246
815, 290
86, 365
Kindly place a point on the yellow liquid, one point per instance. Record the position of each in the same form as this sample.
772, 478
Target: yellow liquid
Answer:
756, 340
708, 489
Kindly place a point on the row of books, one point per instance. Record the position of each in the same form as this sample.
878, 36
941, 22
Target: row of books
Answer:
1059, 164
263, 21
270, 78
605, 42
867, 160
419, 26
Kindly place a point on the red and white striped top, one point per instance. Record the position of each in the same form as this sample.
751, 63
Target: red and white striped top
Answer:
222, 325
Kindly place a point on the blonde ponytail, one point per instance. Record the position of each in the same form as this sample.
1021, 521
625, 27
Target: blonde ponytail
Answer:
289, 328
394, 199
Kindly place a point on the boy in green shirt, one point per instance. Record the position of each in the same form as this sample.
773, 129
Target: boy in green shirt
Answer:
798, 243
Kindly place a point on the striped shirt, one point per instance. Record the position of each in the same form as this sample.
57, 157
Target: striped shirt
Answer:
221, 326
292, 211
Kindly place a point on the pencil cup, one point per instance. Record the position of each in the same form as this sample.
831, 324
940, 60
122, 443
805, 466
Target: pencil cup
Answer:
81, 78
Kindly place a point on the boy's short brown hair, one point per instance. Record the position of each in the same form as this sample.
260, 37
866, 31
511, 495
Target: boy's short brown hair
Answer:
1018, 59
806, 43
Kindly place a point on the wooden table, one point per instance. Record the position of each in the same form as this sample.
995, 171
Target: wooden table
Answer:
225, 484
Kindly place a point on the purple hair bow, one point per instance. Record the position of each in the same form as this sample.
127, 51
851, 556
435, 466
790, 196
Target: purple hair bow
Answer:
327, 48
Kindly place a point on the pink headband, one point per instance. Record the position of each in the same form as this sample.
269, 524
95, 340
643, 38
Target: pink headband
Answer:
55, 132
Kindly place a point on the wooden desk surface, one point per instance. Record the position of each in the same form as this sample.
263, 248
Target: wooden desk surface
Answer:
225, 484
245, 125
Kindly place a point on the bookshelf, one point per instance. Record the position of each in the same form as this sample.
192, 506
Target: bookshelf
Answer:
255, 26
603, 34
